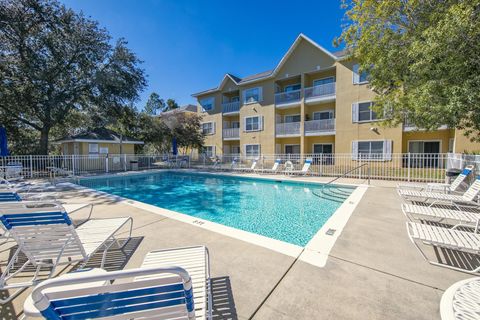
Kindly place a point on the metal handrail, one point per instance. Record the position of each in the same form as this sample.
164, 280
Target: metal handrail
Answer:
345, 173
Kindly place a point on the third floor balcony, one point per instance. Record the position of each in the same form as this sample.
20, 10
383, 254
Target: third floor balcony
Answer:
289, 99
230, 108
320, 93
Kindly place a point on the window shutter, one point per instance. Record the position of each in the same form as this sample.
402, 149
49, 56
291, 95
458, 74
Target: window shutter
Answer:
259, 150
260, 94
355, 150
214, 129
354, 112
356, 75
214, 150
260, 124
387, 150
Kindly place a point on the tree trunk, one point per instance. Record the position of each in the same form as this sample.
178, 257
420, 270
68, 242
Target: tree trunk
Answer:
44, 140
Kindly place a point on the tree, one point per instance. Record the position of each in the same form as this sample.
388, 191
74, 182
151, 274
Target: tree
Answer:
54, 61
171, 105
422, 57
154, 104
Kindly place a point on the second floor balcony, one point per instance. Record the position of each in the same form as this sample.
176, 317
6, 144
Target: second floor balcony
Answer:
320, 93
231, 134
288, 99
320, 127
232, 107
287, 129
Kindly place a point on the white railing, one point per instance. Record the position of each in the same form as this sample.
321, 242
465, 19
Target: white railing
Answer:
288, 128
323, 90
398, 166
231, 133
231, 107
319, 126
287, 97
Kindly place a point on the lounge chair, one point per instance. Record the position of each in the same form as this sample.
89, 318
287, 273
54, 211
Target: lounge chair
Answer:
468, 198
14, 196
273, 169
461, 300
305, 169
449, 238
250, 169
412, 212
171, 284
440, 186
47, 237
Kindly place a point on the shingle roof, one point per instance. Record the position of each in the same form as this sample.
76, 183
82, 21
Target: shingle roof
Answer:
256, 76
100, 134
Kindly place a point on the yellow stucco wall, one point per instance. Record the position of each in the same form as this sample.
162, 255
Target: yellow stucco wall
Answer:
113, 148
305, 64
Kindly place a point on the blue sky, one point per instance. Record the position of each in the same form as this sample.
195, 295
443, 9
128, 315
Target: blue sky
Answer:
187, 46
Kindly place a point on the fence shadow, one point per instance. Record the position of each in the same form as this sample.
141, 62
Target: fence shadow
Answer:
223, 304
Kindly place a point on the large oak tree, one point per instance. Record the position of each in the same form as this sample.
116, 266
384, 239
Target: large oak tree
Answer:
423, 59
54, 61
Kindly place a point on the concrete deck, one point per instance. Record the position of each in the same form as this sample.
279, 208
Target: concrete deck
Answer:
372, 272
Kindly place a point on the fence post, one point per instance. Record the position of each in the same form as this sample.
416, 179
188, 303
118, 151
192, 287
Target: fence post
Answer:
73, 164
106, 164
31, 167
124, 162
408, 167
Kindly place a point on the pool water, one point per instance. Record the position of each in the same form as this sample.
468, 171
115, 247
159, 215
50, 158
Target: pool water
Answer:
288, 211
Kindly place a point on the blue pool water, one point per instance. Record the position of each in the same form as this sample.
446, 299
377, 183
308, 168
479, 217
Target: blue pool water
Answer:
288, 211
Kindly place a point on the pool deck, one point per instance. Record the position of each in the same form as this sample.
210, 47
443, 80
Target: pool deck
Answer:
372, 272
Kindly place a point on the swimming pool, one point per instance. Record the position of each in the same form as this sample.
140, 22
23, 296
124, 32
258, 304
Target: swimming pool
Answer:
292, 212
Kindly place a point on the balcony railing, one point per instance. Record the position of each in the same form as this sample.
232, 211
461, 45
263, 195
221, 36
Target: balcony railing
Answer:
287, 97
287, 129
231, 133
319, 126
320, 91
231, 107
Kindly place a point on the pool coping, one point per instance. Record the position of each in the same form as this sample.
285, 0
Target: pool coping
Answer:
315, 252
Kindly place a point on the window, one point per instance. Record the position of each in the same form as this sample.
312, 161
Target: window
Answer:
209, 151
208, 103
235, 99
235, 149
252, 150
359, 77
362, 112
292, 118
104, 150
292, 87
451, 144
319, 82
292, 149
323, 148
253, 123
208, 128
372, 150
93, 148
424, 147
252, 95
323, 115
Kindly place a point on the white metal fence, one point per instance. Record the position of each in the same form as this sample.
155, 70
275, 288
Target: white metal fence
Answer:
406, 167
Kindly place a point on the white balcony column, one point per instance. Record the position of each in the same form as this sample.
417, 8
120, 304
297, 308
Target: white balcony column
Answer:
302, 116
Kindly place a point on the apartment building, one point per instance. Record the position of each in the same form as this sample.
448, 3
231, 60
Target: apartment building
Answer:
313, 102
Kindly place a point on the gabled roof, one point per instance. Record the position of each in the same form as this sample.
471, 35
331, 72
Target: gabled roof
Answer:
271, 73
99, 135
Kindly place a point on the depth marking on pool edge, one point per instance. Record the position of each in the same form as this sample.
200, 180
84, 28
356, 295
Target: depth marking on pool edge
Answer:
330, 232
199, 222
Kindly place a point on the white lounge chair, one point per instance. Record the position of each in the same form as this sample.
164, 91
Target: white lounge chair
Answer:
461, 301
273, 169
468, 198
249, 169
171, 284
412, 212
440, 186
47, 237
449, 238
14, 196
305, 169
